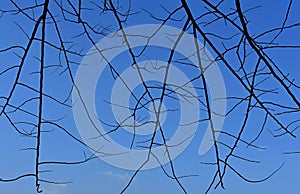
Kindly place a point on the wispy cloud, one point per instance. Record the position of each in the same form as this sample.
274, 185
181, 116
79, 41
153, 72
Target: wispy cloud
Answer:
123, 176
54, 189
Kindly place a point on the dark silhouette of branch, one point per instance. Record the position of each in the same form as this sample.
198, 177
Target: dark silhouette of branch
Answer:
56, 36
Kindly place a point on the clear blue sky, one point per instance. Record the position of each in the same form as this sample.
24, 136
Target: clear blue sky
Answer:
98, 177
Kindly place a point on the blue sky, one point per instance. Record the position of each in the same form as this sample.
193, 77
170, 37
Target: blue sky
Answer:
96, 176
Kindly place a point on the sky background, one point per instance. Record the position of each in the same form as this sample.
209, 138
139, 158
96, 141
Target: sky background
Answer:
98, 177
